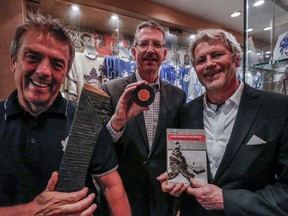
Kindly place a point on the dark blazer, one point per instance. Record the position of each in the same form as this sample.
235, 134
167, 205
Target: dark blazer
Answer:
139, 167
254, 178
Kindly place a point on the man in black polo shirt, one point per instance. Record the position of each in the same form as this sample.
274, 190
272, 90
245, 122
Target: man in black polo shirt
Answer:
35, 122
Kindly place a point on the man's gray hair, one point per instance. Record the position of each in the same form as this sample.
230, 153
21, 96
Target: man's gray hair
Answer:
208, 35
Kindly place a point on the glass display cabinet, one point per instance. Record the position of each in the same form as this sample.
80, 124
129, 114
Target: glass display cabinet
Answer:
266, 44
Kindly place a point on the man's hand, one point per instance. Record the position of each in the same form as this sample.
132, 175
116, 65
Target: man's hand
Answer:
209, 196
126, 108
172, 189
50, 202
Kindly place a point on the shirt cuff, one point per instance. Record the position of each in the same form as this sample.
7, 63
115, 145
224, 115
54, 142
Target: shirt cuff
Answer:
114, 134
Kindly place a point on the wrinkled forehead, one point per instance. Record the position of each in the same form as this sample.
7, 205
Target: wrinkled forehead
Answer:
39, 36
45, 43
213, 42
149, 32
210, 41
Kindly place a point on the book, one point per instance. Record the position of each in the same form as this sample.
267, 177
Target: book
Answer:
186, 155
92, 111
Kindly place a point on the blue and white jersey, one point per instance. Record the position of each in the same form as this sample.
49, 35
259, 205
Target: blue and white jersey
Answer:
195, 87
168, 73
115, 67
281, 47
184, 78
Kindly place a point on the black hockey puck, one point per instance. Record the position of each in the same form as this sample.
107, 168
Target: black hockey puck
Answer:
143, 95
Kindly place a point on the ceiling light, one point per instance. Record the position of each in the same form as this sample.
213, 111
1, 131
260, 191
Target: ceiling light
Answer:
258, 3
192, 36
114, 17
267, 28
236, 14
75, 7
268, 52
258, 54
249, 29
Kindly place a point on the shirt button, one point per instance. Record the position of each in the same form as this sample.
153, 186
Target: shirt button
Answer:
33, 140
217, 165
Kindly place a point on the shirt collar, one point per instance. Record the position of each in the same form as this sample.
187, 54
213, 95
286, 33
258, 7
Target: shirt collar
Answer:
138, 78
235, 98
12, 106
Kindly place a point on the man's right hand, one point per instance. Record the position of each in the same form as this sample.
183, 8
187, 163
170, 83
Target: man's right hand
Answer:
126, 108
51, 202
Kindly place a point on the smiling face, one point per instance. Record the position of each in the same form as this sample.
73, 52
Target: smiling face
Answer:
149, 60
39, 70
216, 68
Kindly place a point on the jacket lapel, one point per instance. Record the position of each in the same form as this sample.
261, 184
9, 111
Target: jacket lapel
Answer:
195, 110
247, 113
142, 127
139, 118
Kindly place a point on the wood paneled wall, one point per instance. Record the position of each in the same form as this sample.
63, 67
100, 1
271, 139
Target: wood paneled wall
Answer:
11, 15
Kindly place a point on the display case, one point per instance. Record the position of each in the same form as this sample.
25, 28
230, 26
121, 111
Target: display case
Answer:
266, 44
103, 43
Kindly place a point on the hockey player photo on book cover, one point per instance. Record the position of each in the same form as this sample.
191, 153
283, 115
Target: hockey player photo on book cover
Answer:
186, 155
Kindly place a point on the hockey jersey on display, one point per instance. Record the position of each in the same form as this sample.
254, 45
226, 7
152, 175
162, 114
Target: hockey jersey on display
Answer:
83, 70
115, 67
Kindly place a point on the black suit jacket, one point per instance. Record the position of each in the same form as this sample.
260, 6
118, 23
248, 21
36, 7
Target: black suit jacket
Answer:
139, 167
254, 178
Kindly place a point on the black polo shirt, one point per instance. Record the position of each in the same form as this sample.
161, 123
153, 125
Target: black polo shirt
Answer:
31, 148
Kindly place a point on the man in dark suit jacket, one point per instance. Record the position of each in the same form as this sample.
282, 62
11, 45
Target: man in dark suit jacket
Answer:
246, 137
142, 159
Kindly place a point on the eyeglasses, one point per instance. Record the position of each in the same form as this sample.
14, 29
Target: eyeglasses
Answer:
143, 45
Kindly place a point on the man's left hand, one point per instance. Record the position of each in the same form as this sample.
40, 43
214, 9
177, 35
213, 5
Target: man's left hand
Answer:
208, 195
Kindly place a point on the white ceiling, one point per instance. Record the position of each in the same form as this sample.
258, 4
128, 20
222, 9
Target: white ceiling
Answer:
213, 10
219, 11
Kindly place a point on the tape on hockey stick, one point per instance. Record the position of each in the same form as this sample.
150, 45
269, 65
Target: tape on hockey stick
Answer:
91, 113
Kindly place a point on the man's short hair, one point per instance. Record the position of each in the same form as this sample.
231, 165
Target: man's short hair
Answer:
208, 35
45, 24
148, 24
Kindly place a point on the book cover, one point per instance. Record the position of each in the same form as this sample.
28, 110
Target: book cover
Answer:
186, 155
